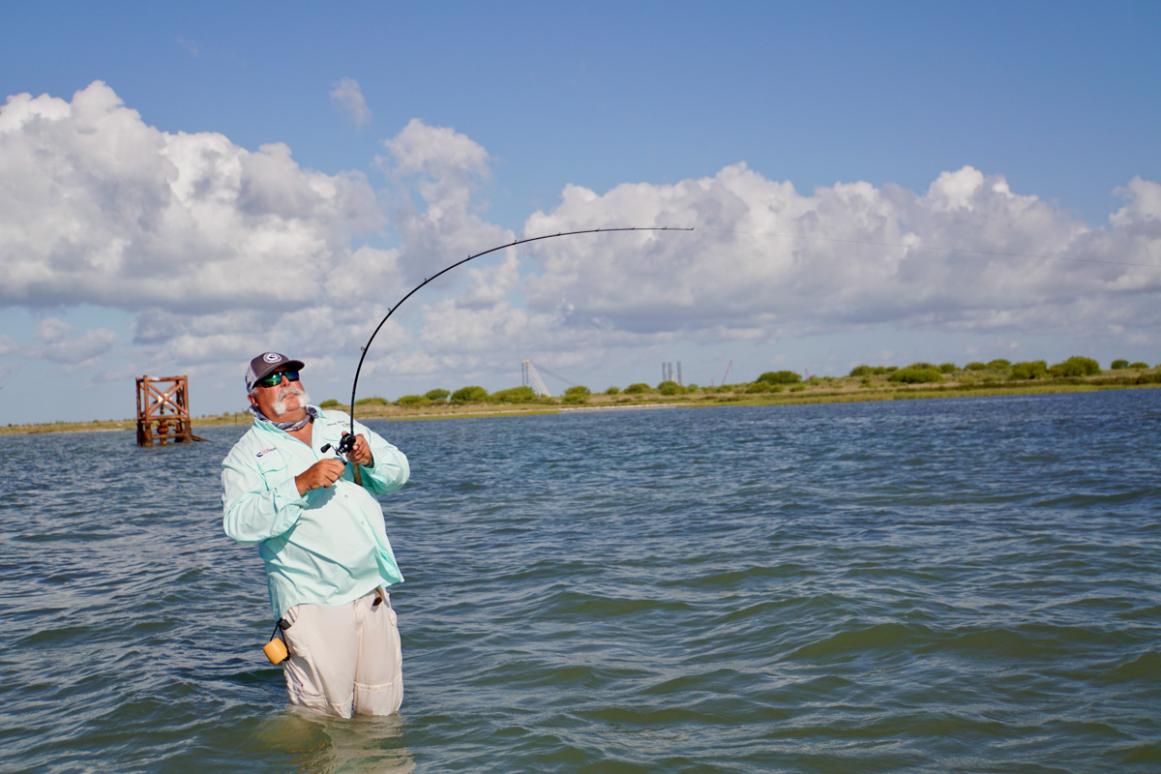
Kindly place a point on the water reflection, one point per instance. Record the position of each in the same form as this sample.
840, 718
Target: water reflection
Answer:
318, 743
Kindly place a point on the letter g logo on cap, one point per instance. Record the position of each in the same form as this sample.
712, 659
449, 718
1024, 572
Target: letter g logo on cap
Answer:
272, 357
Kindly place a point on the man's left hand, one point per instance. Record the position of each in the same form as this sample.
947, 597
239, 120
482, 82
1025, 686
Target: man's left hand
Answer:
361, 453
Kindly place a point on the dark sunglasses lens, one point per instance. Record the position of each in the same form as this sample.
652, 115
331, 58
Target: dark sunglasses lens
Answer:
276, 379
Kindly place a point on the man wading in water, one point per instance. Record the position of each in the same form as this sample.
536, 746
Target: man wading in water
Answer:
322, 537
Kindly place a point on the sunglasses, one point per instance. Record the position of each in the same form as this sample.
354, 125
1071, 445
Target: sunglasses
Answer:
275, 379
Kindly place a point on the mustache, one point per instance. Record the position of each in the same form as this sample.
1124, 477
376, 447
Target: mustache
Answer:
290, 390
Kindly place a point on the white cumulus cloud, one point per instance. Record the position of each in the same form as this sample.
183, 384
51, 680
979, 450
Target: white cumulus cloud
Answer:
446, 169
57, 342
96, 206
968, 253
347, 96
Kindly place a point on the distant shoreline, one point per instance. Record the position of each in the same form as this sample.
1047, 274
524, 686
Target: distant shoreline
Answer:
809, 394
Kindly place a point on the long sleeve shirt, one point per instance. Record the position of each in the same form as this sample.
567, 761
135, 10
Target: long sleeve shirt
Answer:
326, 547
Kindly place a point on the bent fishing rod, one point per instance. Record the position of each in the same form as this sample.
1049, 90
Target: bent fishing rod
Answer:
347, 443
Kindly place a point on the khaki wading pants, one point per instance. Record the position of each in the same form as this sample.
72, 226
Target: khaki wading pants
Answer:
345, 660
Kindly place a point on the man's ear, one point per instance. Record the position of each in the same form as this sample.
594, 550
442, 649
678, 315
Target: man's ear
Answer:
252, 400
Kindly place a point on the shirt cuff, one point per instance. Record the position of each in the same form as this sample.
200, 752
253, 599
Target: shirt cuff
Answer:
288, 503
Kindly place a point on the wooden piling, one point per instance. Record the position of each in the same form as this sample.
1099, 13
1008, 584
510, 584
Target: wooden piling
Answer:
163, 410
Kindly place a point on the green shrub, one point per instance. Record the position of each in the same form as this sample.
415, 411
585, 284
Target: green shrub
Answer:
577, 394
924, 366
412, 400
522, 394
637, 388
862, 370
614, 390
793, 388
470, 394
670, 388
1139, 365
976, 365
916, 375
1119, 364
374, 401
948, 368
329, 403
779, 377
439, 393
999, 364
1076, 366
1030, 369
762, 387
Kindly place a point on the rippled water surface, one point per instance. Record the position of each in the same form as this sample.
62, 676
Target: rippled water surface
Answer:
968, 585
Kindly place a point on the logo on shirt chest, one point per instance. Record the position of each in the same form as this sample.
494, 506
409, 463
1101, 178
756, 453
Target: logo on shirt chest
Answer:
265, 451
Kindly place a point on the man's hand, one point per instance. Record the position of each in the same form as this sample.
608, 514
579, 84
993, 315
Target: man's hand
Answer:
323, 473
362, 452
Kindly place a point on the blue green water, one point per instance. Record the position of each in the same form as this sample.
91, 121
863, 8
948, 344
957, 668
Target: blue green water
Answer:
944, 585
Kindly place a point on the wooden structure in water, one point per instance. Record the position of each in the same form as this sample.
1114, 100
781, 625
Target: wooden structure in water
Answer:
163, 410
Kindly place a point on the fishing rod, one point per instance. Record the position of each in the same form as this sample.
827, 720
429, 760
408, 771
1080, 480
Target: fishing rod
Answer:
347, 443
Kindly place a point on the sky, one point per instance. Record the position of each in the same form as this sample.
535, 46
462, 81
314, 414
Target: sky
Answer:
184, 188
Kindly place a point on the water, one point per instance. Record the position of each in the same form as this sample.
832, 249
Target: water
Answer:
967, 585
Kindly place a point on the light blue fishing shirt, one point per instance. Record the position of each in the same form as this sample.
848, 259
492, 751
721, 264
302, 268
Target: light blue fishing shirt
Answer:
326, 547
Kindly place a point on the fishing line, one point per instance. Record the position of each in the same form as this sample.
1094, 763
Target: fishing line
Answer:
348, 441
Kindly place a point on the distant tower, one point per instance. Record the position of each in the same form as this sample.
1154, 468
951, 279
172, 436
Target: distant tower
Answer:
530, 377
679, 373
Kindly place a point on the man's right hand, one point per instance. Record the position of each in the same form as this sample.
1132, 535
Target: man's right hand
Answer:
321, 474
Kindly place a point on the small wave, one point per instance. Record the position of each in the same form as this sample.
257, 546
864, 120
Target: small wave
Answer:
1031, 641
576, 603
741, 577
1145, 667
875, 637
1146, 754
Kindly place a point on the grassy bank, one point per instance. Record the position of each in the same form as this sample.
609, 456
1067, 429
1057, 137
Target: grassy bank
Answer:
860, 388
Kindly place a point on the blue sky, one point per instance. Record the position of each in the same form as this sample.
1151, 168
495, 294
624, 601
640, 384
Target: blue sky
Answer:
871, 182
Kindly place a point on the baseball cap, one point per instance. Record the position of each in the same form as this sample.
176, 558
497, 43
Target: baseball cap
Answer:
267, 363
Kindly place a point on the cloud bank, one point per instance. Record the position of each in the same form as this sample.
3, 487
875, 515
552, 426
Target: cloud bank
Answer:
98, 207
219, 250
967, 253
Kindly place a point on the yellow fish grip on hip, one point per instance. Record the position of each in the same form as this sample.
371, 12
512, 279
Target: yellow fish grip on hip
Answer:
276, 650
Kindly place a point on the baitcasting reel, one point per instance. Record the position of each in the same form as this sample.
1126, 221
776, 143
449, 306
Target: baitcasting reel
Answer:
345, 446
